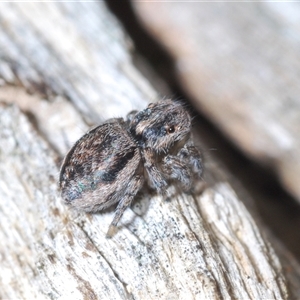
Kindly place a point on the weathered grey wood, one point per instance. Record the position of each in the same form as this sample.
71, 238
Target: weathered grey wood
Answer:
200, 246
240, 64
82, 57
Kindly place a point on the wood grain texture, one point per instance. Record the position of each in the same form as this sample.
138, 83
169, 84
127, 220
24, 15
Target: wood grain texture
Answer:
201, 246
239, 62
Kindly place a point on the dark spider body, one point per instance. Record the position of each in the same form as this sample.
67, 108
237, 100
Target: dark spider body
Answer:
110, 163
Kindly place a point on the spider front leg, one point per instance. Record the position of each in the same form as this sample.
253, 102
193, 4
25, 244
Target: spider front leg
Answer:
174, 167
192, 156
181, 166
156, 179
130, 116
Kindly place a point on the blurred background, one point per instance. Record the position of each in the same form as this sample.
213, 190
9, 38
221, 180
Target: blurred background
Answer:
238, 64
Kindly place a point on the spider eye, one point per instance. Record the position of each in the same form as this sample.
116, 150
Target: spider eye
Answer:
171, 129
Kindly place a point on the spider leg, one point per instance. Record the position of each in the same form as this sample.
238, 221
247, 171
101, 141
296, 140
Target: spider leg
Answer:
176, 168
156, 178
132, 189
192, 156
131, 115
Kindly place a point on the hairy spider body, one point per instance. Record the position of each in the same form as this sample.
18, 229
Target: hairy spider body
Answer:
110, 163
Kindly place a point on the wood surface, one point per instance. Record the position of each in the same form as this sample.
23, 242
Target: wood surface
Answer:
65, 67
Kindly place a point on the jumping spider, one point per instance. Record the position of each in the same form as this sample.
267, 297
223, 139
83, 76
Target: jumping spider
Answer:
110, 163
